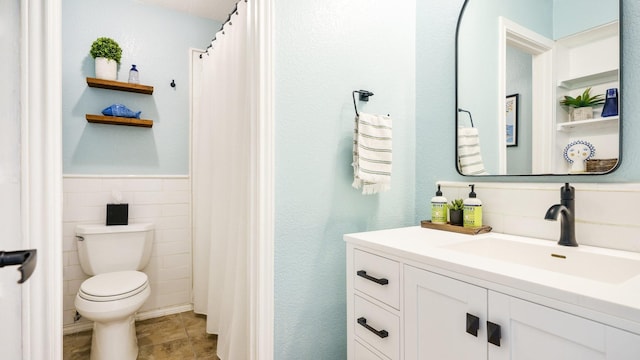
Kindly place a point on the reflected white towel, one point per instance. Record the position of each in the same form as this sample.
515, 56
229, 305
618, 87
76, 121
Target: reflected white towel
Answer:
372, 153
469, 157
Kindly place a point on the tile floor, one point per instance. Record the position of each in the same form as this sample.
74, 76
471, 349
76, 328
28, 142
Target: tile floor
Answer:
172, 337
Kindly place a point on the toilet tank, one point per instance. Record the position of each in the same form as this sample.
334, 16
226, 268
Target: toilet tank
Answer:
104, 248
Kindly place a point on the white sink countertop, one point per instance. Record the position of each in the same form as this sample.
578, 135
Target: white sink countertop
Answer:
518, 266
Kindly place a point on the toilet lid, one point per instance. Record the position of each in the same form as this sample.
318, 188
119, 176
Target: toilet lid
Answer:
113, 286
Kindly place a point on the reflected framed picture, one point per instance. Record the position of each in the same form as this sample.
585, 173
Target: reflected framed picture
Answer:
511, 119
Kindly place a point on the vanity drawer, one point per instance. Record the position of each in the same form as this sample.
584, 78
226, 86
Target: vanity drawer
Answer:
377, 277
363, 353
377, 327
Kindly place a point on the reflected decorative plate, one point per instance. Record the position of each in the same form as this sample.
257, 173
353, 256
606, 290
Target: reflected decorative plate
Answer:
579, 150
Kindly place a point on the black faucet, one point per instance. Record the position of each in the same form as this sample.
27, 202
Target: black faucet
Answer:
567, 209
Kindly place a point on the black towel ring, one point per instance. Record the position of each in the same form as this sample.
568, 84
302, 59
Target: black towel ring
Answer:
468, 112
364, 96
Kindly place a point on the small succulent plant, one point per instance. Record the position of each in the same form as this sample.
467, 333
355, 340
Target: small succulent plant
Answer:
583, 100
456, 204
107, 48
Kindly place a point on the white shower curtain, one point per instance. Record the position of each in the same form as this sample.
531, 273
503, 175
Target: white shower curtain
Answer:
221, 188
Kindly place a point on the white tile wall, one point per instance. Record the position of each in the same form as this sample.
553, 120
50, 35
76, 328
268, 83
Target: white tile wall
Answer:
166, 202
605, 213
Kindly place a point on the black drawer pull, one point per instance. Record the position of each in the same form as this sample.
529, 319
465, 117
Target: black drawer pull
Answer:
493, 333
473, 324
363, 274
382, 333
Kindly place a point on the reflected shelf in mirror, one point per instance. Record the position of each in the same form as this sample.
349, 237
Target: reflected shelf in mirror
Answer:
601, 122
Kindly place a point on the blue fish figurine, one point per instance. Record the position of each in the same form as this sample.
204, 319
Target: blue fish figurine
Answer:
120, 111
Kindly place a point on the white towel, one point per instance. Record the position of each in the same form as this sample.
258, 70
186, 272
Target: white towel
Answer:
372, 153
469, 157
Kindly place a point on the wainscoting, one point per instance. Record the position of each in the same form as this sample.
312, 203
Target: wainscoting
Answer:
605, 212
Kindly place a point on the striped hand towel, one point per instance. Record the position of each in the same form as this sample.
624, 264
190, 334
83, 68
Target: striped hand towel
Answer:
469, 157
372, 153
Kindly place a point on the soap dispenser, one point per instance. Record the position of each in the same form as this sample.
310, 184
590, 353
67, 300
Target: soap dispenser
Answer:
439, 208
472, 210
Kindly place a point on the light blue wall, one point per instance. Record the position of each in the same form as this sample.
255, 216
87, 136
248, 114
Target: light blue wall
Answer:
157, 40
435, 98
435, 76
592, 13
324, 51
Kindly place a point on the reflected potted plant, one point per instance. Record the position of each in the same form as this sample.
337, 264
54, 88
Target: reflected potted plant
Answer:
581, 107
455, 212
107, 54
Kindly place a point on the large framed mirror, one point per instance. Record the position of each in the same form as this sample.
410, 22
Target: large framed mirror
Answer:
522, 70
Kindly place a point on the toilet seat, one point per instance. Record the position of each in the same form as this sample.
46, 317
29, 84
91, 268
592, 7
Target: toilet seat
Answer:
113, 286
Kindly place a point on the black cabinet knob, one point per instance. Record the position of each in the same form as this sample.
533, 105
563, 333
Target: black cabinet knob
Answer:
493, 333
473, 324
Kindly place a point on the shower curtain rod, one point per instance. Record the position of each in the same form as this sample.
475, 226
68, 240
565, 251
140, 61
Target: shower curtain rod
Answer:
235, 10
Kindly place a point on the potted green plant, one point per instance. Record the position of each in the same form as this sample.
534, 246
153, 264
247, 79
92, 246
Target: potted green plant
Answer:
107, 54
581, 107
455, 212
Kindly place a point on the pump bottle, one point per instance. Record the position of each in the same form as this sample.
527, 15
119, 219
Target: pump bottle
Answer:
439, 208
472, 210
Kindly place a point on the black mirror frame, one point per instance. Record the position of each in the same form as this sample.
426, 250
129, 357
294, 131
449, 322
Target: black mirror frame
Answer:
620, 103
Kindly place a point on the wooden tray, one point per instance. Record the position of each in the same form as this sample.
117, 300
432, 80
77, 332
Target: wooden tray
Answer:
454, 228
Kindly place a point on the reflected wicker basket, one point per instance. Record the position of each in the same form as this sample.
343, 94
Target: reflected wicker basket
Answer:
601, 165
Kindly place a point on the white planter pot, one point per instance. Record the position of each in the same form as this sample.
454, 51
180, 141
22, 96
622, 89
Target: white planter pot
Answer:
106, 69
582, 113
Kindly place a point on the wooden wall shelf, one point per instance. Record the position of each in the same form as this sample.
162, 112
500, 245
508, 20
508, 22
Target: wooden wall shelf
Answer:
120, 86
114, 120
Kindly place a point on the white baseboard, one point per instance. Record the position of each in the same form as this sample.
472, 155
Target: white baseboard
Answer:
77, 327
155, 313
163, 312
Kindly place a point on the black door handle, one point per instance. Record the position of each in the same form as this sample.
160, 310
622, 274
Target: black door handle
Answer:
473, 324
382, 333
493, 333
27, 260
363, 274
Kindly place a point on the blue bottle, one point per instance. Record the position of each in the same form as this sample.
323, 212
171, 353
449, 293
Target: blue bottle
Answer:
133, 75
610, 103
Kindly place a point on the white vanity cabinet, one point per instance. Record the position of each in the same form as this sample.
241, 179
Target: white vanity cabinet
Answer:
436, 316
406, 301
439, 324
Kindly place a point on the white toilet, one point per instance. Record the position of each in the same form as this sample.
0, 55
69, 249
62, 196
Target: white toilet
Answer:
113, 255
